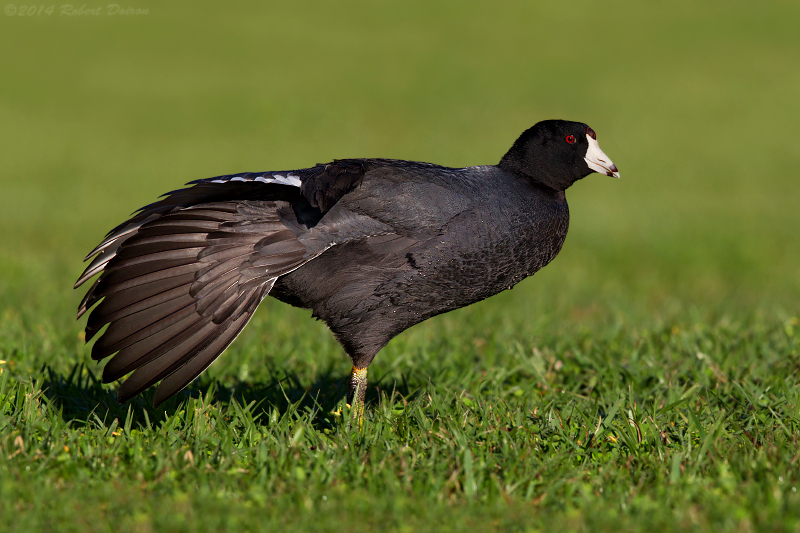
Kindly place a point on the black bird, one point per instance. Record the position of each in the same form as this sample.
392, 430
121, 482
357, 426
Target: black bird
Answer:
372, 246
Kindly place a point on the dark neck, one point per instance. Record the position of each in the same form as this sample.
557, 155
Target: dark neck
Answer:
539, 178
529, 168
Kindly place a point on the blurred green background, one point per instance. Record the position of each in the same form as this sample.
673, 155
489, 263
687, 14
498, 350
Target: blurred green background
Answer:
698, 104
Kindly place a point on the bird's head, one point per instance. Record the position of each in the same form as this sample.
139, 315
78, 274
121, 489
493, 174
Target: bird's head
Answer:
557, 153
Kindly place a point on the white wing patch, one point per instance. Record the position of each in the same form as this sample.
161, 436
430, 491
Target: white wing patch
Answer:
289, 179
277, 179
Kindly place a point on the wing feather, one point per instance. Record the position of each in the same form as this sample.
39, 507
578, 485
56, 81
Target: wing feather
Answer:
177, 289
182, 277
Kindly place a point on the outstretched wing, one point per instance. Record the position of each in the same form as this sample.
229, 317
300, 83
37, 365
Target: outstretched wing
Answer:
181, 279
178, 292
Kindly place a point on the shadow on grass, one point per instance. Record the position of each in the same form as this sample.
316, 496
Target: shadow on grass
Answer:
81, 396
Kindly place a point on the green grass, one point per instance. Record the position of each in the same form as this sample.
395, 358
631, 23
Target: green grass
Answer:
648, 378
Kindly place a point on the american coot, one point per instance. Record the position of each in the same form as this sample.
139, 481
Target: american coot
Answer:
372, 246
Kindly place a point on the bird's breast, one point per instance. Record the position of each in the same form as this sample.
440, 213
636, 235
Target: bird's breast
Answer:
485, 251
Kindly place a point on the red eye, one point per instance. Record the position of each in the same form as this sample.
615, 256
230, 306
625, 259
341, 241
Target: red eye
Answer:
570, 139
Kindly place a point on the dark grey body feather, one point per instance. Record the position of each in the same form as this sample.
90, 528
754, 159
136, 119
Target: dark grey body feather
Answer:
455, 237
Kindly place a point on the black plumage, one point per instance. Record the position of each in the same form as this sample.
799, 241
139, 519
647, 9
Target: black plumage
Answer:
372, 246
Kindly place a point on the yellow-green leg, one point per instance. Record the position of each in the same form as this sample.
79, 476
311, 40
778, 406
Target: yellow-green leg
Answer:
356, 392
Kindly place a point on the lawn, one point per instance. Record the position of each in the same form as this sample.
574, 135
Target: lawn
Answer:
647, 378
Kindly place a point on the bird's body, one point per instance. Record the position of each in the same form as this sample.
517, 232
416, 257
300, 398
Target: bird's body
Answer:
444, 227
371, 246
